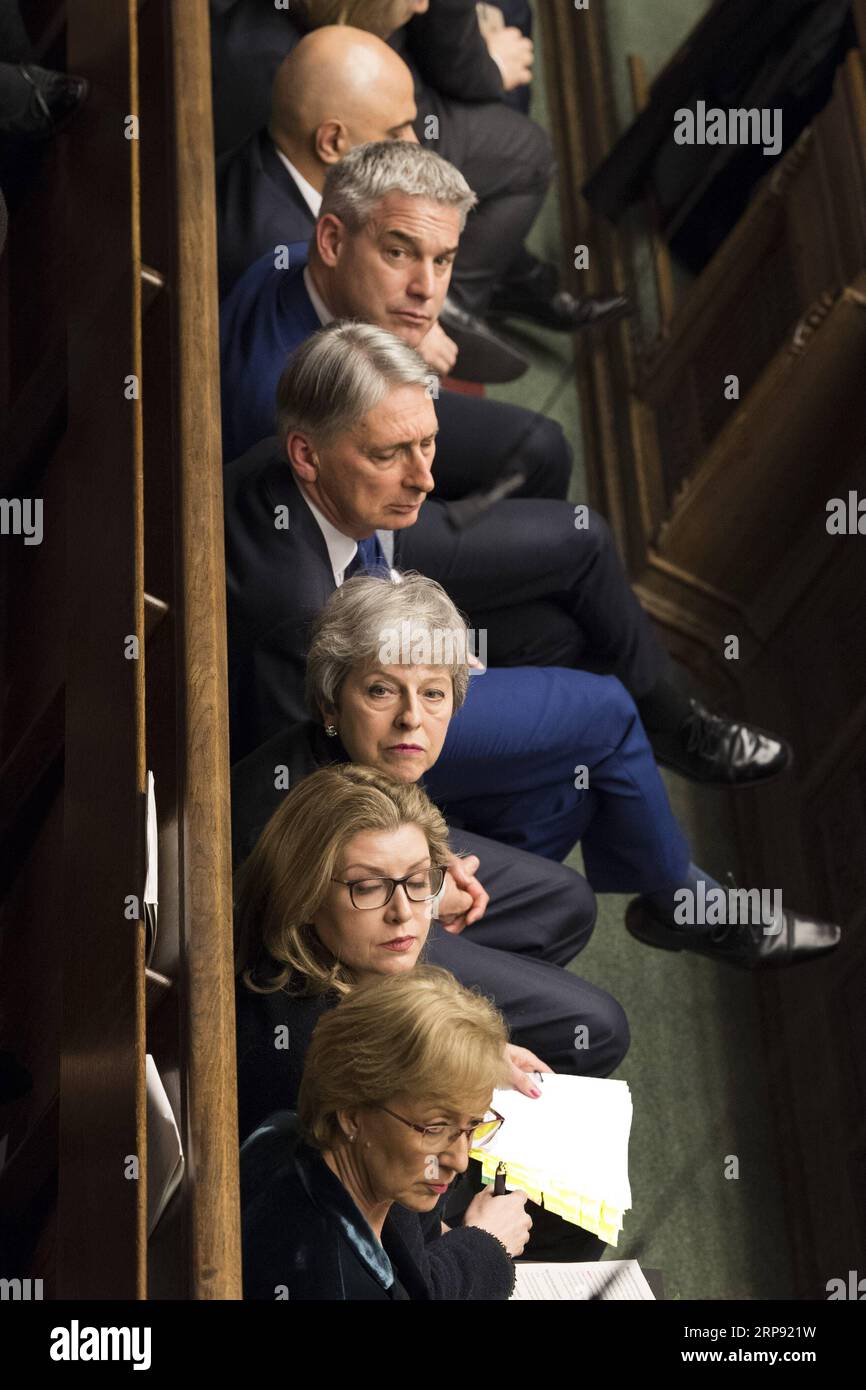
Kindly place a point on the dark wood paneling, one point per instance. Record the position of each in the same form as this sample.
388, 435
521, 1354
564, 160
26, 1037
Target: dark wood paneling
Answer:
719, 508
101, 1212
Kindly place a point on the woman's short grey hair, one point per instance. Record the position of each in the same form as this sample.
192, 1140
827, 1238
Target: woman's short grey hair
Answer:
374, 619
337, 375
368, 173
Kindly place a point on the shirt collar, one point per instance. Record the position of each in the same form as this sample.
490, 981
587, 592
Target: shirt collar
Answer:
318, 303
341, 549
311, 196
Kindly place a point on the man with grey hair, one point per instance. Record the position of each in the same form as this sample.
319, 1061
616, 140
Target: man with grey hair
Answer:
358, 430
339, 88
389, 228
459, 77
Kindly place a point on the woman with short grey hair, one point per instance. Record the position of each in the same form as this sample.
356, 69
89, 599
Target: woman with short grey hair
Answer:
412, 617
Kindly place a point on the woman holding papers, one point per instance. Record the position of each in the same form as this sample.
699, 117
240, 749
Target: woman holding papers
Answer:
342, 1200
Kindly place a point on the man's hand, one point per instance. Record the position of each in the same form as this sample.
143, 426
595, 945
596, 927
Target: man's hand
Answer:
438, 350
504, 1217
521, 1061
463, 900
512, 53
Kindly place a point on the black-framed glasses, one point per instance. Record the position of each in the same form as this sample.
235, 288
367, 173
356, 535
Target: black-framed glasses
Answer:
478, 1134
419, 887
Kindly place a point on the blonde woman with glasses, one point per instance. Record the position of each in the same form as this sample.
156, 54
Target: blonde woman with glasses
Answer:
343, 1201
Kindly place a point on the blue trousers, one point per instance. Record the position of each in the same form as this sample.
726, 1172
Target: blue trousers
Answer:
512, 769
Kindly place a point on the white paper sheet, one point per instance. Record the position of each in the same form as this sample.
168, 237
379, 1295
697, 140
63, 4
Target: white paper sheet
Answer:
614, 1280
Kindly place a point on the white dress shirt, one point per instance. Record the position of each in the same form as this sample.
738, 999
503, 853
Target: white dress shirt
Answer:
310, 195
341, 549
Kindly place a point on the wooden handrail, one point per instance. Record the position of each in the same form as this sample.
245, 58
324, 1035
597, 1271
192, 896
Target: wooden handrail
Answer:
205, 850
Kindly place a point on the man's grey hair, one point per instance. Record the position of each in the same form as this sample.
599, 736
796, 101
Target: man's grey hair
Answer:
368, 173
359, 623
337, 375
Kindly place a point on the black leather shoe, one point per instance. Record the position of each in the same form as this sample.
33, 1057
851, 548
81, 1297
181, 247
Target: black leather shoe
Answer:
484, 355
56, 97
709, 748
745, 945
538, 298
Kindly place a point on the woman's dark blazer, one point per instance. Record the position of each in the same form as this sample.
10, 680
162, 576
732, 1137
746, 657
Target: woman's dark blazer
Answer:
300, 749
305, 1239
273, 1037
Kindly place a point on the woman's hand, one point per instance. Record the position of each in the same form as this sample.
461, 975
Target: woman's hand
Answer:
521, 1061
438, 350
463, 899
504, 1217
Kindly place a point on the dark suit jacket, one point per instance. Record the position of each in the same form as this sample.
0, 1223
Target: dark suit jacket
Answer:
277, 580
269, 1078
250, 38
264, 318
303, 1233
301, 749
444, 49
259, 207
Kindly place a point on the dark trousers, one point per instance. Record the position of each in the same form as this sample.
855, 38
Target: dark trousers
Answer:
507, 160
480, 441
540, 915
547, 593
16, 94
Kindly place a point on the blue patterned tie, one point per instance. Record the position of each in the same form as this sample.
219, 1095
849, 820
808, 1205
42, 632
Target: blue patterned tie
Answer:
369, 559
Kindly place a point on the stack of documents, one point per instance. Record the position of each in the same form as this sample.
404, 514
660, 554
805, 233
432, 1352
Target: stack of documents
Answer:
569, 1149
616, 1281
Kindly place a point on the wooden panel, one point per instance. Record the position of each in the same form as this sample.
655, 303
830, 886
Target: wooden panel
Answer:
720, 510
742, 489
584, 125
101, 1212
205, 853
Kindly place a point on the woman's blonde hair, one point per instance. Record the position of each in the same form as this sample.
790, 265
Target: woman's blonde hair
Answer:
421, 1034
284, 881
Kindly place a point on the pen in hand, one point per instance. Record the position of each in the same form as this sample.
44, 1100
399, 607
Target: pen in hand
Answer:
499, 1180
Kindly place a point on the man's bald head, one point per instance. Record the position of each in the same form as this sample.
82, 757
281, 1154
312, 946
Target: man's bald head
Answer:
338, 88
